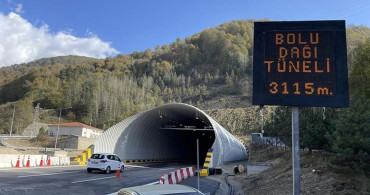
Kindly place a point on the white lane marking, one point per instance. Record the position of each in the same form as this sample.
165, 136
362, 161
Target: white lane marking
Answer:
46, 174
156, 182
137, 166
166, 169
92, 179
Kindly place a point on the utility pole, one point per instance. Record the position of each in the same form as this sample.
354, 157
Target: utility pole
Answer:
11, 125
198, 161
18, 128
60, 113
91, 116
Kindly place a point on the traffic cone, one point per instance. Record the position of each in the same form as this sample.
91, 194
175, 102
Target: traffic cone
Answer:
41, 161
28, 162
161, 180
17, 165
118, 174
48, 163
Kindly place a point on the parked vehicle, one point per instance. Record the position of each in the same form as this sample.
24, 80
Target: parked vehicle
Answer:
159, 189
106, 162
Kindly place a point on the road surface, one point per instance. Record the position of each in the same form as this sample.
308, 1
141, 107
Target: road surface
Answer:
76, 180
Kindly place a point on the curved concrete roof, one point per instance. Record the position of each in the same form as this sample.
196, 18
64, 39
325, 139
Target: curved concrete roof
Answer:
170, 132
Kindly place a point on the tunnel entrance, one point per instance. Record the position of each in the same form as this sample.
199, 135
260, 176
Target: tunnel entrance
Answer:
184, 140
168, 133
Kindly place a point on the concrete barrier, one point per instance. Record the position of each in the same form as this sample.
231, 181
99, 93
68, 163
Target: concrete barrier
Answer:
177, 176
64, 161
10, 160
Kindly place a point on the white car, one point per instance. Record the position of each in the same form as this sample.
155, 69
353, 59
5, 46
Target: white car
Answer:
106, 162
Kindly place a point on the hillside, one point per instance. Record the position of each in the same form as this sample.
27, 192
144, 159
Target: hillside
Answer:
318, 174
211, 69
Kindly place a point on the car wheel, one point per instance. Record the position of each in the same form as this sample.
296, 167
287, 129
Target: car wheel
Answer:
107, 171
89, 170
122, 167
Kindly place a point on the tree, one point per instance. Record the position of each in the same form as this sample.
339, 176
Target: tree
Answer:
229, 80
43, 131
313, 128
280, 125
351, 138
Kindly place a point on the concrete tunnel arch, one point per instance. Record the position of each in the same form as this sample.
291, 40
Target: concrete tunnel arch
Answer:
170, 132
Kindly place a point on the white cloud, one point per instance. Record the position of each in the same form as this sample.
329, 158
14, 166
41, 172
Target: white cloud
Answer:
19, 8
21, 42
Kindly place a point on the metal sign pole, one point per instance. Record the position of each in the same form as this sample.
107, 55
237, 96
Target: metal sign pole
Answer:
295, 146
198, 161
261, 112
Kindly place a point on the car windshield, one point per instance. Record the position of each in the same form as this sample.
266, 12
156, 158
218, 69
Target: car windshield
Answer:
97, 156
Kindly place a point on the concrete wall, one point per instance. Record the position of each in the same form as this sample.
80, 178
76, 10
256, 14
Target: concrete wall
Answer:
71, 142
53, 130
77, 131
84, 142
80, 143
10, 160
90, 133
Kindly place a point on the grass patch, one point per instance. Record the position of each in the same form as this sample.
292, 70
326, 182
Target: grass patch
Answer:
39, 141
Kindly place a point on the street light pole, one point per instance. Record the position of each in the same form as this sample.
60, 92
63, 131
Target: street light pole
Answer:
198, 162
11, 125
60, 113
56, 137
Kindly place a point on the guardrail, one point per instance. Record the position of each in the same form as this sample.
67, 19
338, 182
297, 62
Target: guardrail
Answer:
268, 141
14, 136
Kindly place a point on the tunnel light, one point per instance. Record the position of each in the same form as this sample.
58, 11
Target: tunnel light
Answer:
204, 134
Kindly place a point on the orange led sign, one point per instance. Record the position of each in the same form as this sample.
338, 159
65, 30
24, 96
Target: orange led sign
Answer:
300, 64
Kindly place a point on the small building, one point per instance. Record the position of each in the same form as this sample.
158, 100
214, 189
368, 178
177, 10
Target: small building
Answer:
76, 129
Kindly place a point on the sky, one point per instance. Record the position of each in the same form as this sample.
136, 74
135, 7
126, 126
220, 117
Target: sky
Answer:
31, 30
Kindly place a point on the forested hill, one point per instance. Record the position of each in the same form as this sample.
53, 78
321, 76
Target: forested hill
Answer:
211, 69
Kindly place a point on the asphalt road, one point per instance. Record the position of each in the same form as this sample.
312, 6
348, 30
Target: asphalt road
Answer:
76, 180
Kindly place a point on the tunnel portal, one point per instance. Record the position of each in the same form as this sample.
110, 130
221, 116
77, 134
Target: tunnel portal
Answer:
169, 132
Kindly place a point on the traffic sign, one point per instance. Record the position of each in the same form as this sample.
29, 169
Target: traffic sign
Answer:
300, 63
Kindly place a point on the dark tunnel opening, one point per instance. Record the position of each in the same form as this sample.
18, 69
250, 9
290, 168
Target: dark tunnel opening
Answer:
168, 133
184, 130
186, 143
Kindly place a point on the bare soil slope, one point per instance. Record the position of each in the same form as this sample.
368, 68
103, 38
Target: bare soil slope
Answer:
318, 176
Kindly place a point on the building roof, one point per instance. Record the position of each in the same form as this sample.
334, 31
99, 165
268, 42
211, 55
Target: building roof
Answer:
75, 124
